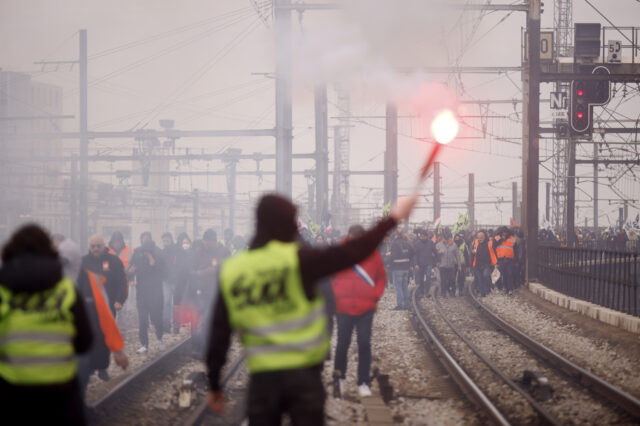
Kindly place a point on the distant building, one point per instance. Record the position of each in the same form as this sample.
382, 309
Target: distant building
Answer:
30, 190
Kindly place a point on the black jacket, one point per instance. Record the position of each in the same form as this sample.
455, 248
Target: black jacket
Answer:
425, 253
401, 255
148, 277
111, 267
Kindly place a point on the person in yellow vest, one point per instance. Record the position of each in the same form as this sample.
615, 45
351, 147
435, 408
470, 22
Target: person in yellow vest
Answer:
43, 326
268, 295
505, 252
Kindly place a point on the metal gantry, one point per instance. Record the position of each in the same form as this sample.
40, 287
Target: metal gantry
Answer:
563, 23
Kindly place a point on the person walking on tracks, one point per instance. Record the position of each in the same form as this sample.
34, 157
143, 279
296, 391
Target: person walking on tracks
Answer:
358, 290
100, 266
43, 325
401, 255
269, 296
484, 258
425, 258
149, 268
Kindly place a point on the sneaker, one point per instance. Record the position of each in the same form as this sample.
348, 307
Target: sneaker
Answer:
398, 308
142, 350
162, 346
363, 390
104, 376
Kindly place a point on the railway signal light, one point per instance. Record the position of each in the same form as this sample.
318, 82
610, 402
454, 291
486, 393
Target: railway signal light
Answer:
585, 94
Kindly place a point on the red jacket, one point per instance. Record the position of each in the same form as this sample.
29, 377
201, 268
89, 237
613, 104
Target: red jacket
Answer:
354, 296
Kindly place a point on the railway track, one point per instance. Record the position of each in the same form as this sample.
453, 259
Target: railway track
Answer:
236, 399
488, 367
149, 395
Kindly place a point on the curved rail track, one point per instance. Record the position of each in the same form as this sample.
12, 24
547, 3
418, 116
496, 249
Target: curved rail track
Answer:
501, 411
202, 415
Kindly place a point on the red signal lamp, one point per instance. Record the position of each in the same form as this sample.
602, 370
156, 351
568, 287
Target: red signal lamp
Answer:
579, 115
580, 92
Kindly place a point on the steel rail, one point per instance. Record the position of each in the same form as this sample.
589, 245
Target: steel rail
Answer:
464, 382
543, 415
201, 411
627, 402
141, 375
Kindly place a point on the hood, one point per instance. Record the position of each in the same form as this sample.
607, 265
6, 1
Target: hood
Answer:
31, 273
275, 220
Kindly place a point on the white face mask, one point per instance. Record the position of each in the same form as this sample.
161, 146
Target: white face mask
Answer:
186, 246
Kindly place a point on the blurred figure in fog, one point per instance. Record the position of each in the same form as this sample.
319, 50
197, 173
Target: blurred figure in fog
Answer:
170, 254
449, 263
184, 268
118, 247
401, 255
424, 259
204, 284
38, 380
105, 270
463, 251
149, 268
505, 252
484, 258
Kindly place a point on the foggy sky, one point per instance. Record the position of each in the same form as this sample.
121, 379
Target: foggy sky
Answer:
194, 83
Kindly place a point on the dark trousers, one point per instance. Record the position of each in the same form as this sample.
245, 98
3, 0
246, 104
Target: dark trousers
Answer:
482, 276
362, 324
298, 392
149, 303
461, 276
506, 273
423, 279
448, 280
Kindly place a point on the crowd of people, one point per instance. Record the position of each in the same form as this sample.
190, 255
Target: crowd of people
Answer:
56, 302
280, 293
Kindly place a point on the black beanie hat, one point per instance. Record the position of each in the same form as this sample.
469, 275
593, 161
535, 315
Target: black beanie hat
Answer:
276, 220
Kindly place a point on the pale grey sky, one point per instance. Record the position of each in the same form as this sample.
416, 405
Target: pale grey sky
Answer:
200, 75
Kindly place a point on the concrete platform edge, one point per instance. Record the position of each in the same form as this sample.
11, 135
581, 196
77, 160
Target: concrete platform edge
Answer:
609, 316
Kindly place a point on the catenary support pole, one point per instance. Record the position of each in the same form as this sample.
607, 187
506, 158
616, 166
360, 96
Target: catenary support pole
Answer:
595, 190
83, 236
436, 190
531, 77
284, 115
196, 213
322, 152
472, 202
391, 155
571, 191
514, 201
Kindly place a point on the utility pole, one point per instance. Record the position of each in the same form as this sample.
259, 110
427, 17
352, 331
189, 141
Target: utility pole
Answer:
196, 213
530, 157
84, 145
391, 155
547, 206
436, 190
231, 184
73, 200
595, 190
571, 192
322, 152
514, 200
471, 209
284, 115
